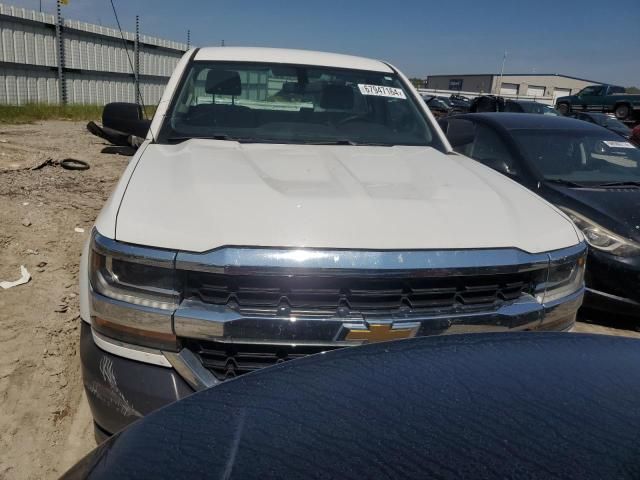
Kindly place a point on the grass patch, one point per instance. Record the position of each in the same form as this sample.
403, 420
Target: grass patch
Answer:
33, 112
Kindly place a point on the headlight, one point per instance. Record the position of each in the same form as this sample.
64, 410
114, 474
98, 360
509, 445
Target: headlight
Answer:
140, 289
602, 239
136, 283
564, 279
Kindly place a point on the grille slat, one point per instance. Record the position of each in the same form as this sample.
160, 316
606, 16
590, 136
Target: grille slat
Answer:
230, 360
273, 295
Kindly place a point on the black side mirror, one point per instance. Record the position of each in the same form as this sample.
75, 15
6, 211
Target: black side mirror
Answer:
460, 138
459, 132
126, 118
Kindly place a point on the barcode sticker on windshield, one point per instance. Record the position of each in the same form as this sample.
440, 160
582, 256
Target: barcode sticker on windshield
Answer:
612, 144
381, 91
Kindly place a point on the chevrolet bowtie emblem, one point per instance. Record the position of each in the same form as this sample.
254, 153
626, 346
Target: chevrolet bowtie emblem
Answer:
381, 332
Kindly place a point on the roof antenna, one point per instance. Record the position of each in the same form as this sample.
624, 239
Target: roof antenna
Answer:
126, 49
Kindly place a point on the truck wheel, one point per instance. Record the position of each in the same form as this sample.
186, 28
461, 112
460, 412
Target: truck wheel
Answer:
564, 108
622, 111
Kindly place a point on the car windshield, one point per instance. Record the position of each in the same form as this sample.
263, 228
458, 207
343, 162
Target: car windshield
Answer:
445, 100
438, 103
276, 103
580, 156
540, 108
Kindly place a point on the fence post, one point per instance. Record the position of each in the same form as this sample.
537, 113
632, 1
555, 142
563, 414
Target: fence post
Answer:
62, 86
136, 59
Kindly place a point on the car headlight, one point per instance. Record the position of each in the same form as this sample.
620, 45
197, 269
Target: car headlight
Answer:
564, 278
135, 283
602, 239
140, 289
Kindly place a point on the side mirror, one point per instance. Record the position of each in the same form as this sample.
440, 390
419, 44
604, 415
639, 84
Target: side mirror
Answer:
459, 132
458, 138
126, 118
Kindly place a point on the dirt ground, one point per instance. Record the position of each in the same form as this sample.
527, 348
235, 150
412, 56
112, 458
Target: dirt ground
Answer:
45, 423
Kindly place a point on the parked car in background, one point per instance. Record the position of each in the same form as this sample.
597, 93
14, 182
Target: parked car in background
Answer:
493, 406
439, 106
587, 171
460, 103
529, 106
493, 103
601, 98
604, 120
248, 231
486, 103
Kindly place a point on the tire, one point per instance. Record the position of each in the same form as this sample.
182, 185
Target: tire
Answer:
564, 109
73, 164
622, 111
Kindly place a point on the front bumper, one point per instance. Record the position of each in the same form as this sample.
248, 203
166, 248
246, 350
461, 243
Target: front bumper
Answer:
613, 284
120, 390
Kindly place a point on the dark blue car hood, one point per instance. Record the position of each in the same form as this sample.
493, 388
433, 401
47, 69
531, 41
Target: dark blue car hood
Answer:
617, 209
514, 405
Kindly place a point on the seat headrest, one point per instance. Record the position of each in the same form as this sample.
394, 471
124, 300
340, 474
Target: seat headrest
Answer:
223, 82
337, 97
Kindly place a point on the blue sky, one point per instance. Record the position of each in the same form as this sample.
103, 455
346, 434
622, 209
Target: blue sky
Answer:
573, 37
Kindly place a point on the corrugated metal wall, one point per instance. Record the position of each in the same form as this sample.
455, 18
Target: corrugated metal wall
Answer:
96, 67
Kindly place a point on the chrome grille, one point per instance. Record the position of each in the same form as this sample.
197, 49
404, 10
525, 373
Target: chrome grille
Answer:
339, 295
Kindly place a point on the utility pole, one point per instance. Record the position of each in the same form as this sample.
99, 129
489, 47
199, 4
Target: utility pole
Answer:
62, 83
504, 60
222, 43
136, 62
188, 39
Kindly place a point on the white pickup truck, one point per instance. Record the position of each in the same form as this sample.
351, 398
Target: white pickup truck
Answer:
289, 202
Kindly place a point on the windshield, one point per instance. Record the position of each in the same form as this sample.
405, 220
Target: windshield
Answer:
445, 100
257, 102
583, 157
540, 108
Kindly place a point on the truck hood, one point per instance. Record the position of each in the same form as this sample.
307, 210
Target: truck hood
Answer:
204, 194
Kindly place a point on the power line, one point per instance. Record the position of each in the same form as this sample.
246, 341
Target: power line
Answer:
126, 49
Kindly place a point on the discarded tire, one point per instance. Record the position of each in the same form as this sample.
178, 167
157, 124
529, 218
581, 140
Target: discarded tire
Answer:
73, 164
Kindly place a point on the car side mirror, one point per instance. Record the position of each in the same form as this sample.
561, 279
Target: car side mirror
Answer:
126, 118
458, 138
459, 132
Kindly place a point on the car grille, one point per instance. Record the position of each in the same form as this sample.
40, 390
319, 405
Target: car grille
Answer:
342, 296
230, 360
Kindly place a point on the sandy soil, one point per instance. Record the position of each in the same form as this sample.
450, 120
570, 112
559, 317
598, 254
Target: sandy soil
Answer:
45, 423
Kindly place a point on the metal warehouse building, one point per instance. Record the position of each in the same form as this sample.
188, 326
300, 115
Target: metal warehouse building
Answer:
48, 59
527, 84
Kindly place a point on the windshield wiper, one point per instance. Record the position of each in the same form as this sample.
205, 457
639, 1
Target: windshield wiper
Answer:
621, 184
268, 140
566, 183
348, 142
208, 137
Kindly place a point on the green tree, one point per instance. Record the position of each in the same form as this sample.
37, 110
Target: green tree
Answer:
417, 82
633, 90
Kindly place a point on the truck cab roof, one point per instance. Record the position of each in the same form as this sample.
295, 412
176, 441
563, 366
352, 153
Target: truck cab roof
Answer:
290, 56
